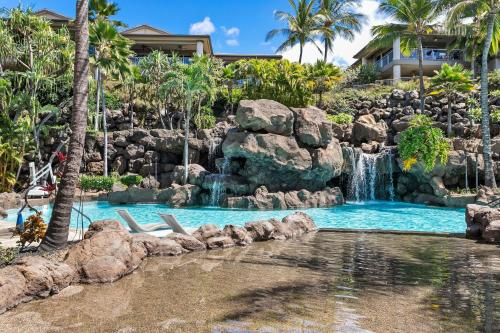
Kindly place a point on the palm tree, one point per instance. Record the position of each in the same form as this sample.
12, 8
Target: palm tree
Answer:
302, 26
324, 76
153, 68
101, 10
58, 230
338, 19
449, 81
195, 82
414, 19
112, 58
488, 12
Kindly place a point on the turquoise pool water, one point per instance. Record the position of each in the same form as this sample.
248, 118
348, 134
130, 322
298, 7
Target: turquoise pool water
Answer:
382, 215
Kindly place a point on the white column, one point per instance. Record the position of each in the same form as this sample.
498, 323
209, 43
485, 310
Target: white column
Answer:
396, 49
396, 72
199, 48
364, 61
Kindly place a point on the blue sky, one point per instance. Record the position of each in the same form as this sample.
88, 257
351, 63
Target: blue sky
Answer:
236, 26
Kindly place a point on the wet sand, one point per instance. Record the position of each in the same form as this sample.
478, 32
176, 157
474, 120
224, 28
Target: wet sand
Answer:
325, 282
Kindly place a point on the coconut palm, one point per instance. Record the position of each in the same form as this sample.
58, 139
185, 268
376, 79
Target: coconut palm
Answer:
338, 19
58, 230
413, 20
302, 26
449, 81
488, 12
112, 58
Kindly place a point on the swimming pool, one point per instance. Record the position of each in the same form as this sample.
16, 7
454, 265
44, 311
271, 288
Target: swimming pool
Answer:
382, 215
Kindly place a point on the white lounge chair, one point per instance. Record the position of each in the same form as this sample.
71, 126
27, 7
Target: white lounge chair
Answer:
173, 223
136, 227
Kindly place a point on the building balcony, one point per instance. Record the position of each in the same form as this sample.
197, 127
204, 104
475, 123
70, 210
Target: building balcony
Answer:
430, 54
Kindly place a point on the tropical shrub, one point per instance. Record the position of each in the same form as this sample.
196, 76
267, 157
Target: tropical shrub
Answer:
324, 76
367, 74
494, 79
495, 115
33, 231
96, 183
204, 118
340, 118
280, 80
131, 180
7, 254
423, 143
449, 81
475, 113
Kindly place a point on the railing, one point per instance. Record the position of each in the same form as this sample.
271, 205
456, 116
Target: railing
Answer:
385, 60
436, 54
37, 175
135, 60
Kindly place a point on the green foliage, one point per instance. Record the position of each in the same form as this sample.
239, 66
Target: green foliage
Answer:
131, 180
204, 118
495, 115
407, 85
475, 113
340, 118
495, 94
342, 99
423, 143
289, 83
494, 79
450, 80
367, 74
96, 183
7, 254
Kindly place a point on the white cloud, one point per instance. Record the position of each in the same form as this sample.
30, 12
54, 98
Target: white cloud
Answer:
232, 42
343, 50
205, 27
231, 32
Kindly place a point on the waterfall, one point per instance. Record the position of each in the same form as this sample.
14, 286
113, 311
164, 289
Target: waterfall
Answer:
370, 176
218, 188
214, 149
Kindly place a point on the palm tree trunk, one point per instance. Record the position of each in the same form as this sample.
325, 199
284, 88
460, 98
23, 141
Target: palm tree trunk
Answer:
58, 230
104, 129
98, 94
489, 174
473, 61
421, 74
300, 55
449, 116
326, 51
186, 140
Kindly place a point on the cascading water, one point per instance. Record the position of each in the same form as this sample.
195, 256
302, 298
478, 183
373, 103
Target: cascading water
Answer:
371, 176
218, 188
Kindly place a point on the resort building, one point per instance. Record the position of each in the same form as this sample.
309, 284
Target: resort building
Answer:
395, 66
147, 38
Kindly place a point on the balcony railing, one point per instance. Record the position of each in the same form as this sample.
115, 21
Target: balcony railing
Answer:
429, 54
436, 54
135, 60
384, 60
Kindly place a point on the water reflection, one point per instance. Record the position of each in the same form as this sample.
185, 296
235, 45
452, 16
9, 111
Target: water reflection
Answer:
327, 282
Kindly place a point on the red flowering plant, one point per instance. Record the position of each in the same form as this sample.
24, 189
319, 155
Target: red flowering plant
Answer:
61, 158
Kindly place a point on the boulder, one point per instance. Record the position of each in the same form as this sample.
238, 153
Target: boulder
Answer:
181, 195
221, 242
300, 223
240, 236
150, 182
207, 231
133, 195
265, 115
107, 253
260, 230
483, 222
188, 242
3, 214
366, 129
311, 127
159, 246
32, 277
280, 164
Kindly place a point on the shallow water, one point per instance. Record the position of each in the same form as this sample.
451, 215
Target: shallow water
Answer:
383, 215
324, 282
